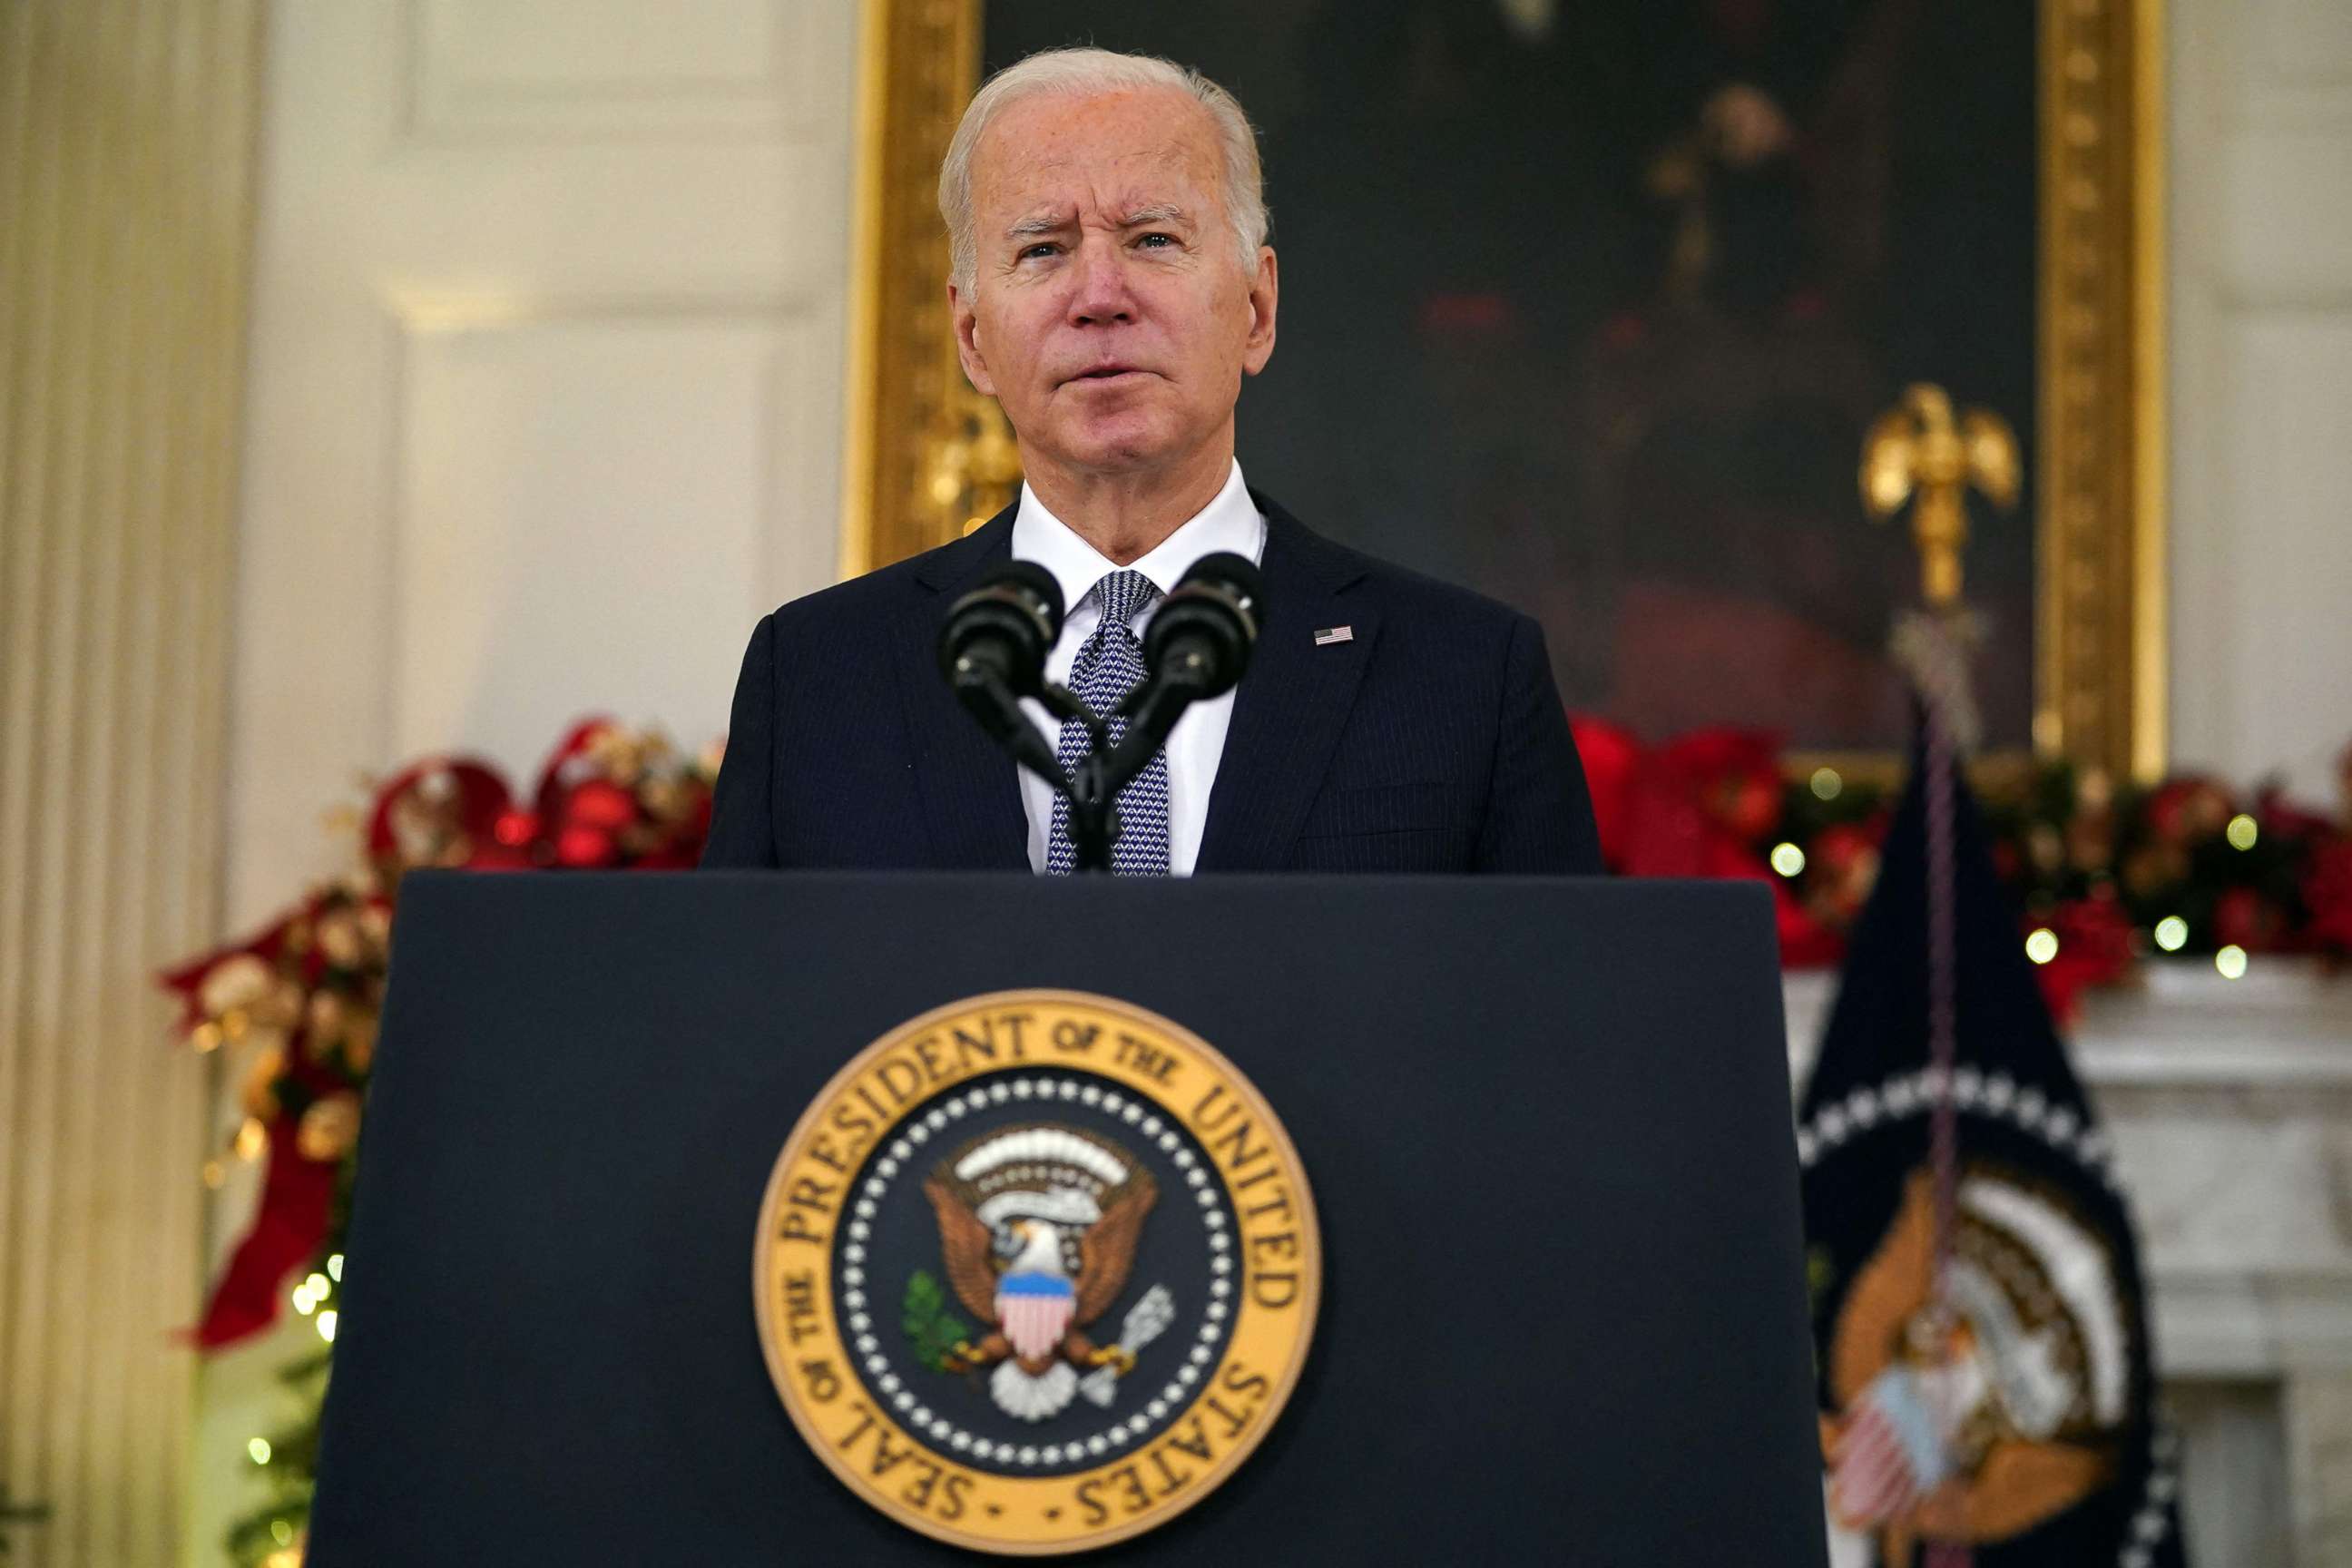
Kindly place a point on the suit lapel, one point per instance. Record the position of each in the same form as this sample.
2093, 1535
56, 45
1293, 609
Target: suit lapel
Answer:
1293, 701
970, 791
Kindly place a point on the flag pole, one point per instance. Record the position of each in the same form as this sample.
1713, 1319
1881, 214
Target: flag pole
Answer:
1943, 1041
1921, 454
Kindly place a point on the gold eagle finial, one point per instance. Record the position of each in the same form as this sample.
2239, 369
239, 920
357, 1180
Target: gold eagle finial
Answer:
1918, 449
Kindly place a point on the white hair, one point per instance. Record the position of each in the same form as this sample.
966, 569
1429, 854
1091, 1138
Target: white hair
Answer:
1084, 73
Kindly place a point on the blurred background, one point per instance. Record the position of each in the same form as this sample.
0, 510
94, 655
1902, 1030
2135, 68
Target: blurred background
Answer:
387, 382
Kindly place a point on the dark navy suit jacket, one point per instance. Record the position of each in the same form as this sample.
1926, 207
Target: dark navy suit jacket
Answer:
1431, 740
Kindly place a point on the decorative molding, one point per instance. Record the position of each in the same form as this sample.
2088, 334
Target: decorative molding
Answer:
2234, 1323
2100, 686
770, 96
2178, 1024
918, 64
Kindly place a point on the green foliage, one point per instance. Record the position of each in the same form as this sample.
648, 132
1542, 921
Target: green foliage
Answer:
292, 1471
932, 1329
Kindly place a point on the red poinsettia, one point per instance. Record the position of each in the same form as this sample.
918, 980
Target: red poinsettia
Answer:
2184, 810
1701, 806
2327, 892
1684, 809
2095, 948
1711, 803
2243, 918
1843, 862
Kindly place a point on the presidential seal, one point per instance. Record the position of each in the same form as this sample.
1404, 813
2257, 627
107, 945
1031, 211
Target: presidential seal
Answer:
1036, 1272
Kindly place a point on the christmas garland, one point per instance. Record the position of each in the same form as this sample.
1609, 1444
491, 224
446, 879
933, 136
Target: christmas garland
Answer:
2104, 874
304, 996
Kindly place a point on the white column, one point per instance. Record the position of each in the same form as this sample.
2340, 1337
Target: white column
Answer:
125, 139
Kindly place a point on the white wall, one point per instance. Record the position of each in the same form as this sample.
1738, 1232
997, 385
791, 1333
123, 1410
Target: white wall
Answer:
2261, 387
546, 362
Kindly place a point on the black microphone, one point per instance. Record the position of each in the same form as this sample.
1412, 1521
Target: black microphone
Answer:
1200, 638
1196, 647
1002, 629
992, 650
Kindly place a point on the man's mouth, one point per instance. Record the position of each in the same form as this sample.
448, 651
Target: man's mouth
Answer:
1107, 372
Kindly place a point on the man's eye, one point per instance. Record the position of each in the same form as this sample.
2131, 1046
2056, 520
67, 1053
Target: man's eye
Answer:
1043, 248
1156, 241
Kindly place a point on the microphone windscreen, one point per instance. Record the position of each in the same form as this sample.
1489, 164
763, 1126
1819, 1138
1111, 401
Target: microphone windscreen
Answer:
1028, 577
1235, 575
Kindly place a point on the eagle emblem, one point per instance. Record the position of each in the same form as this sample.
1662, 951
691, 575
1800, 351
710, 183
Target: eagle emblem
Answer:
1038, 1226
1981, 1422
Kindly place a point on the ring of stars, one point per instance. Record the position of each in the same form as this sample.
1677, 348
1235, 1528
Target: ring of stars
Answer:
1137, 1119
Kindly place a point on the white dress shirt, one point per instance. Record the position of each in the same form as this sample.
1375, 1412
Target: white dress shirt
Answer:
1197, 743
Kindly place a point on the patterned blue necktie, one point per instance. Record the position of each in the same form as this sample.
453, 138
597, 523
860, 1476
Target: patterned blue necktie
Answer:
1109, 665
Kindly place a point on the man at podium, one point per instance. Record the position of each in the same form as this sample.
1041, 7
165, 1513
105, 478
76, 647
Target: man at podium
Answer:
1438, 1222
1110, 287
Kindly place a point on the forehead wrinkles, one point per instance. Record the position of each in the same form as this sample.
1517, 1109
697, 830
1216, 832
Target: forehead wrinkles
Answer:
1113, 186
1041, 150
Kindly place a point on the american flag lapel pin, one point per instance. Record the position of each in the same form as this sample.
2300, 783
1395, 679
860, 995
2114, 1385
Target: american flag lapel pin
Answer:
1325, 637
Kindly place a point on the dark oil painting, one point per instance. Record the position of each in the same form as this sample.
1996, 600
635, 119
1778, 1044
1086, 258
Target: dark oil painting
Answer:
1588, 303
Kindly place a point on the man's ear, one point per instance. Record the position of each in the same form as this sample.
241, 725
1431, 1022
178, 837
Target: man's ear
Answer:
967, 337
1264, 293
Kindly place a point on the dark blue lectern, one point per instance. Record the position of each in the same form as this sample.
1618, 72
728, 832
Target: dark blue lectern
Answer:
1546, 1125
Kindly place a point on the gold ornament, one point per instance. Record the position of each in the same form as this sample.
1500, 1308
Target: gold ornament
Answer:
325, 1021
260, 1096
328, 1128
252, 1139
235, 982
664, 799
266, 1037
282, 1007
619, 755
359, 1043
339, 939
1920, 448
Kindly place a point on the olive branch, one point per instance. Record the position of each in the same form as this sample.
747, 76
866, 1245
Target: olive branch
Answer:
931, 1330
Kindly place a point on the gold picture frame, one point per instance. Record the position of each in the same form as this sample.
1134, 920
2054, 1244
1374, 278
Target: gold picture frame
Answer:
926, 455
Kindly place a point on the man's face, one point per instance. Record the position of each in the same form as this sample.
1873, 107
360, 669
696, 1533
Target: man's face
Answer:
1109, 312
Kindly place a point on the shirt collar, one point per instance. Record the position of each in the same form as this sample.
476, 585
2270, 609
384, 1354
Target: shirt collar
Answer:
1230, 521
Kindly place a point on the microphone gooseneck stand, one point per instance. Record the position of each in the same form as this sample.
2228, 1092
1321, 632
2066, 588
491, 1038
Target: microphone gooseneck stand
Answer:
992, 652
1092, 791
1107, 767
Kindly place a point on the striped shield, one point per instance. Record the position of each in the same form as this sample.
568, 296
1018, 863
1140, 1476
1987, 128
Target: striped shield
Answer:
1034, 1309
1890, 1454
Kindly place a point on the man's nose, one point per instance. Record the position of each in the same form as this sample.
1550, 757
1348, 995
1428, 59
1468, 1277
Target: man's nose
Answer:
1100, 295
